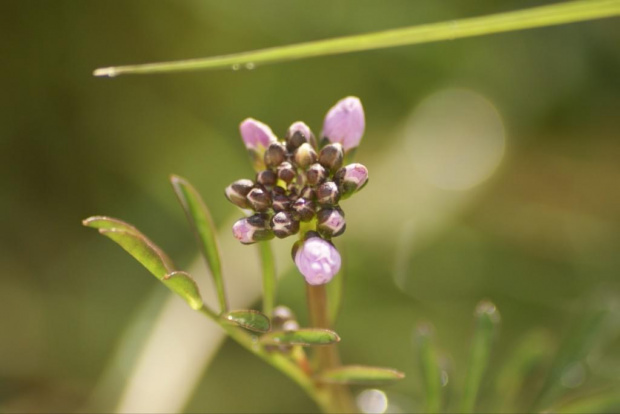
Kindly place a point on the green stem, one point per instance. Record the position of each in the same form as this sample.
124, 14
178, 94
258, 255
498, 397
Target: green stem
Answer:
555, 14
275, 359
269, 277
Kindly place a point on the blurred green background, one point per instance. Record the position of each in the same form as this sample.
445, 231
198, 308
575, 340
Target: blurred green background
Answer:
523, 210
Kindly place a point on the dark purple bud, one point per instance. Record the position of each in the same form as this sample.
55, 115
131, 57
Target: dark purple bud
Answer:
283, 224
331, 157
298, 134
275, 155
303, 209
327, 193
267, 178
305, 156
252, 229
307, 193
280, 202
331, 222
259, 198
236, 192
350, 179
316, 174
286, 172
281, 314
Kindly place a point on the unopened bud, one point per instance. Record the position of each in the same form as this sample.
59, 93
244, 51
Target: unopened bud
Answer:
252, 229
259, 198
317, 260
290, 326
344, 123
331, 156
303, 209
286, 172
298, 134
283, 224
280, 202
267, 178
236, 193
350, 179
327, 193
305, 156
331, 222
307, 193
316, 174
281, 314
275, 155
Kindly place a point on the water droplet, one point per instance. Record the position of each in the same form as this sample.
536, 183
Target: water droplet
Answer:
444, 378
236, 66
372, 401
250, 66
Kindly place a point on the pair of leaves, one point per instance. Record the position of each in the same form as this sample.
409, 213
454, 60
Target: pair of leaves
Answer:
149, 255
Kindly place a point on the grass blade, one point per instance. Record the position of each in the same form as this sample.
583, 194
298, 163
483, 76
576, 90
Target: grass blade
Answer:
204, 229
361, 375
269, 277
487, 320
431, 371
303, 337
183, 285
603, 402
555, 14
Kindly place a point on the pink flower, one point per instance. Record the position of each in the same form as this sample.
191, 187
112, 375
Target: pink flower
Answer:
318, 260
243, 231
344, 123
256, 135
351, 178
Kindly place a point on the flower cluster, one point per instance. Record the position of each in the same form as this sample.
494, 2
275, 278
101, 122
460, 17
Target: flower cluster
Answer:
300, 180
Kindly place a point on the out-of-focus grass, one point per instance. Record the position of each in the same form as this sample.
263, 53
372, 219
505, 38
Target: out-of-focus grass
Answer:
538, 235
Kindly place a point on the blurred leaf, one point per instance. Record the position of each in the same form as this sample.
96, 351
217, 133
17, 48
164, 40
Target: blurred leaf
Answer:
528, 353
555, 14
487, 320
269, 276
358, 374
103, 222
335, 292
248, 319
204, 230
183, 285
303, 337
604, 402
431, 371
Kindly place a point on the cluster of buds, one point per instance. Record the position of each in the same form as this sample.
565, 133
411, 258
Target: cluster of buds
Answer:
299, 180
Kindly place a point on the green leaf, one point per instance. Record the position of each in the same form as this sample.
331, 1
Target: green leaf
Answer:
555, 14
357, 374
183, 285
303, 337
269, 276
103, 222
204, 230
487, 321
602, 402
249, 319
335, 292
431, 371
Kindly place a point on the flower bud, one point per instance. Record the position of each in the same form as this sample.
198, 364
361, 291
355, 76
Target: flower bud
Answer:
298, 134
290, 326
303, 209
283, 224
331, 157
331, 222
275, 155
345, 123
280, 202
317, 260
259, 198
236, 193
267, 178
256, 137
252, 229
307, 193
350, 179
327, 193
305, 156
286, 172
316, 174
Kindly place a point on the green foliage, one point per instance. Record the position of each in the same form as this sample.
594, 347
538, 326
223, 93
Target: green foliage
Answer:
303, 337
360, 375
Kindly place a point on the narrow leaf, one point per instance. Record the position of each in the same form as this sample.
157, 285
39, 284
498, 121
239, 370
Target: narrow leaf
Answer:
604, 402
248, 319
357, 374
204, 230
335, 293
183, 285
550, 15
429, 364
269, 276
303, 337
487, 320
142, 249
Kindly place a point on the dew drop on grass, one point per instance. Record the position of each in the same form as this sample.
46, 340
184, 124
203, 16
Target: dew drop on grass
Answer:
235, 67
250, 66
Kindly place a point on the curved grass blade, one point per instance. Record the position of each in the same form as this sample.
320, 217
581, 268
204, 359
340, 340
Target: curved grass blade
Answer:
302, 337
550, 15
183, 285
487, 320
104, 222
361, 375
202, 224
269, 276
249, 319
431, 370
